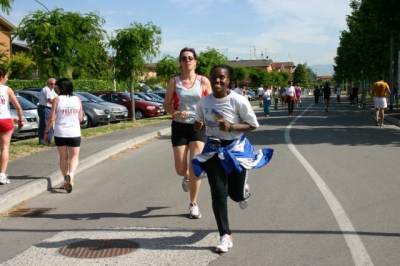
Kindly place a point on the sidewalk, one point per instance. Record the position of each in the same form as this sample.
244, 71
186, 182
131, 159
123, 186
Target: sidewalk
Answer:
32, 175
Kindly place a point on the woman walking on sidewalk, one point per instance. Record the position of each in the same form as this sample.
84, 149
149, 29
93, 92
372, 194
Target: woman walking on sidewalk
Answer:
66, 114
6, 123
227, 155
183, 93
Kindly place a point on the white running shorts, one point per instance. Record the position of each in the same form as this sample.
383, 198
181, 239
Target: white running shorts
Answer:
380, 102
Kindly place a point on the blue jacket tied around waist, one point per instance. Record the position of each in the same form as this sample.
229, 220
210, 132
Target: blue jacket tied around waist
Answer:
239, 153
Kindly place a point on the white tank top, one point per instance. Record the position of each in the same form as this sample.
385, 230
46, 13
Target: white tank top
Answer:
4, 103
67, 123
185, 99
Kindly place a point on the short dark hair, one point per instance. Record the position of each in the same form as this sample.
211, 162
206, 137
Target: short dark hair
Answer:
380, 78
232, 75
64, 86
187, 49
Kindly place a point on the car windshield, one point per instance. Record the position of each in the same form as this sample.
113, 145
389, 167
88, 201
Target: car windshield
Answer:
144, 96
155, 96
128, 95
83, 98
91, 97
25, 104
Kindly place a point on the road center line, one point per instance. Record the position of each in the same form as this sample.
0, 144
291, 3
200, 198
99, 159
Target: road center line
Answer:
354, 243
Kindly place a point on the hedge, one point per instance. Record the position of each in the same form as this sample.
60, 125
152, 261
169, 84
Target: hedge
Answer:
79, 85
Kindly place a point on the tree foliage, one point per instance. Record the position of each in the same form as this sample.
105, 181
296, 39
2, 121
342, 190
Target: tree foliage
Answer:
167, 67
133, 45
241, 73
6, 5
208, 59
21, 66
364, 48
300, 76
62, 42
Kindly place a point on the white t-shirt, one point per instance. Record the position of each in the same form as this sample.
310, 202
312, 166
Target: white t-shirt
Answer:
267, 95
233, 109
4, 103
338, 91
260, 91
290, 91
67, 124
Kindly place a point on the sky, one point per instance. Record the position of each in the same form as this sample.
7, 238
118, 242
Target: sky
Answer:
305, 31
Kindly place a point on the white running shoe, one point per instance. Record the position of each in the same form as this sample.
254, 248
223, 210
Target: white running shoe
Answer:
4, 180
185, 184
194, 212
245, 203
225, 242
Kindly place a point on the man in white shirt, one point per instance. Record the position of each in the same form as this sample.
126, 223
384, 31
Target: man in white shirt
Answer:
260, 92
46, 96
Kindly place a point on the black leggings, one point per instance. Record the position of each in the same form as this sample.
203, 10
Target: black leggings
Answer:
223, 185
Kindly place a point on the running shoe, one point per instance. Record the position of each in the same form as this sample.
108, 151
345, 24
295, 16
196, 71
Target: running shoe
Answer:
194, 212
245, 203
377, 123
382, 126
69, 184
4, 180
185, 184
225, 242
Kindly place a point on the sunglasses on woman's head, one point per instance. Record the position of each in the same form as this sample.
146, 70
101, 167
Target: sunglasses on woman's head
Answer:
184, 58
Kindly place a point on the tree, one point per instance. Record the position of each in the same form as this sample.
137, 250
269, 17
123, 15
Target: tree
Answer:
6, 5
241, 73
95, 67
60, 41
21, 66
133, 45
300, 76
208, 59
3, 54
167, 67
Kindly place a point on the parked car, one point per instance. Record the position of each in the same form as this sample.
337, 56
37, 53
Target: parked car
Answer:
143, 96
158, 87
118, 112
155, 96
33, 88
96, 113
26, 106
160, 93
250, 95
144, 87
30, 128
142, 108
33, 97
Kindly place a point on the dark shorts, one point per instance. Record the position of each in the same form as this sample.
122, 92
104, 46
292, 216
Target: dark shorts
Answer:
70, 142
183, 133
327, 98
6, 125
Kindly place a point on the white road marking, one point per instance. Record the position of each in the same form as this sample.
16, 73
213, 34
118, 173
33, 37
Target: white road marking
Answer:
358, 252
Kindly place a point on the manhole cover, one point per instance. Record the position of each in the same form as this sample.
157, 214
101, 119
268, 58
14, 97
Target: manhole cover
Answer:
99, 248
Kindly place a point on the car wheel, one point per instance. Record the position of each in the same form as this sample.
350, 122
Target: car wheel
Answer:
89, 122
139, 114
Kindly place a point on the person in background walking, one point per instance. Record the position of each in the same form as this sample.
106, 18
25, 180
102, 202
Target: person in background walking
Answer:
290, 97
298, 95
260, 92
354, 95
321, 94
267, 99
183, 93
234, 87
327, 95
228, 155
338, 92
46, 97
380, 91
6, 123
66, 114
316, 95
276, 98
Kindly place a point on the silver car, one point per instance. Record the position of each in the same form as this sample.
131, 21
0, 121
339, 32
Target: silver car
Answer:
30, 127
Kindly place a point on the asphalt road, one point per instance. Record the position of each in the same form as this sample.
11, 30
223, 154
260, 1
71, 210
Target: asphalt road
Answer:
328, 197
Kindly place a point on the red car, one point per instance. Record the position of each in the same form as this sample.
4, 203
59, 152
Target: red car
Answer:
142, 108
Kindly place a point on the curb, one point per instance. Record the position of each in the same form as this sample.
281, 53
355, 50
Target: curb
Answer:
388, 118
35, 188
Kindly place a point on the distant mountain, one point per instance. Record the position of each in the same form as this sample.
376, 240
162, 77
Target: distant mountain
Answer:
322, 70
